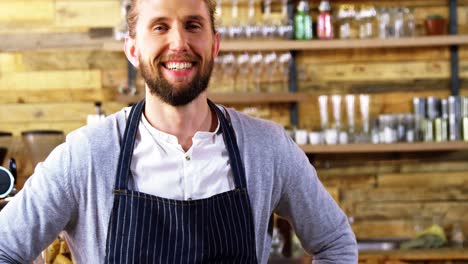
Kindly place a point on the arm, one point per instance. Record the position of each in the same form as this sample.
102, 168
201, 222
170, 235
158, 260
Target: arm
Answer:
36, 215
318, 221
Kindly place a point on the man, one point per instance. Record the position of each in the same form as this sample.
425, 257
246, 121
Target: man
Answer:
177, 178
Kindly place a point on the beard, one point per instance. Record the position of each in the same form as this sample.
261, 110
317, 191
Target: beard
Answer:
168, 93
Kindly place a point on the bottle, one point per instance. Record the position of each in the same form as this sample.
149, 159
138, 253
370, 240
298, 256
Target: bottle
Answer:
324, 21
303, 22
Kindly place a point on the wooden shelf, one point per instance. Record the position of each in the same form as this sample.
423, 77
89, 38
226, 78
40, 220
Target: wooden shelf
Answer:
381, 148
285, 45
238, 98
83, 40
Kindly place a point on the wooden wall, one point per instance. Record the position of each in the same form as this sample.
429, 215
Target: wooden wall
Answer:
57, 88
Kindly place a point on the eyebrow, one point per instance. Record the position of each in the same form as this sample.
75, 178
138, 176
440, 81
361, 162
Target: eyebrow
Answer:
190, 17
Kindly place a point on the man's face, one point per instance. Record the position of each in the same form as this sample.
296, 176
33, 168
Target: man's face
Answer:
175, 48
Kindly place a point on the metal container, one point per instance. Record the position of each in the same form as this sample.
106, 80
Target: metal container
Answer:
440, 130
41, 142
419, 106
433, 107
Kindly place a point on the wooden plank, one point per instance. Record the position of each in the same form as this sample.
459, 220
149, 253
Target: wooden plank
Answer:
17, 127
375, 148
429, 179
436, 167
383, 229
51, 80
51, 112
335, 44
445, 255
11, 62
370, 169
26, 10
375, 55
349, 181
46, 96
39, 41
71, 60
406, 194
449, 210
70, 13
379, 71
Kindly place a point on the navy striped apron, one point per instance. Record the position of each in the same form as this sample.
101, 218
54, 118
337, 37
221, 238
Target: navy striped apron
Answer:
148, 229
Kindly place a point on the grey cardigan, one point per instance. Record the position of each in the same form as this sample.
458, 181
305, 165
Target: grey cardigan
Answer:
72, 191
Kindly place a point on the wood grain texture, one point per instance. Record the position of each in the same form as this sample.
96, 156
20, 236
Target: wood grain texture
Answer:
51, 80
70, 13
24, 10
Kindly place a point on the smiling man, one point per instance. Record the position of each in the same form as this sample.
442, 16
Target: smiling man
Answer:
175, 178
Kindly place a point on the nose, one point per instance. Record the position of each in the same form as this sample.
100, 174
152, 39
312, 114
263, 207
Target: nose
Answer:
178, 41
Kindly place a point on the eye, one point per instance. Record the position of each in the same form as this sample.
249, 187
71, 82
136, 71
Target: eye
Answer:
193, 26
159, 28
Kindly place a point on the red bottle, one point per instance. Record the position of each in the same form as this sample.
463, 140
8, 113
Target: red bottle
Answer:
324, 21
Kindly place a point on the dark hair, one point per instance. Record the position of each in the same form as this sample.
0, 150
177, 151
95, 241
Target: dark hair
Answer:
132, 16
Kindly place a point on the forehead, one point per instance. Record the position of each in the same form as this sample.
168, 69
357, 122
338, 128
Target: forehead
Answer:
171, 9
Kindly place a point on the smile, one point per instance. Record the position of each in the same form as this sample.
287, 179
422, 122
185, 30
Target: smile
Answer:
178, 66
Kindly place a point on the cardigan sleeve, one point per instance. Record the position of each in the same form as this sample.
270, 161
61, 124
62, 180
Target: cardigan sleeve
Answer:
36, 215
319, 223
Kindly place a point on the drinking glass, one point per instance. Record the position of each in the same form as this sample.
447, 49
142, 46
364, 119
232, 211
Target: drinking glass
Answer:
228, 67
256, 64
222, 29
285, 27
243, 68
364, 101
349, 99
323, 109
284, 61
336, 104
251, 28
235, 30
268, 27
270, 63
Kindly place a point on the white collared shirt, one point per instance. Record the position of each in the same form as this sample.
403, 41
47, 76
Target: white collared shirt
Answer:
162, 168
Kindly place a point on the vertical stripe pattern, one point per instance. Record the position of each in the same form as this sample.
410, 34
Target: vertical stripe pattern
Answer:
148, 229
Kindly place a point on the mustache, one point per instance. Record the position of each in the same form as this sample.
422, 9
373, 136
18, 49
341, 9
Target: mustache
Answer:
186, 57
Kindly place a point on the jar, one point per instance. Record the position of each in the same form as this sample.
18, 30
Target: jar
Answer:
366, 22
383, 19
388, 131
346, 22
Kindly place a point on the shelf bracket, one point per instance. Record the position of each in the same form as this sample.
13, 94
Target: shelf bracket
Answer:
454, 63
293, 70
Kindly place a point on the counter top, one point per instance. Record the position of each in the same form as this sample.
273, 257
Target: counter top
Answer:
419, 254
385, 255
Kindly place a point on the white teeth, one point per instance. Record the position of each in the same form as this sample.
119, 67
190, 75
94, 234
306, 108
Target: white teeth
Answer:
177, 66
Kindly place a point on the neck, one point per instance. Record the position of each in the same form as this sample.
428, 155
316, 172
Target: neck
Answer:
180, 121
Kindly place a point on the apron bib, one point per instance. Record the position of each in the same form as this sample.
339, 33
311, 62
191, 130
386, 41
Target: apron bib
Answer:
145, 228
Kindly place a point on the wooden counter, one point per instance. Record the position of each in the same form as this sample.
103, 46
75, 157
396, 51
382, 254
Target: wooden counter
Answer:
400, 256
442, 255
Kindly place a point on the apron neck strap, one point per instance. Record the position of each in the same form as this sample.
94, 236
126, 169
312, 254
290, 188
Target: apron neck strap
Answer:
229, 137
128, 143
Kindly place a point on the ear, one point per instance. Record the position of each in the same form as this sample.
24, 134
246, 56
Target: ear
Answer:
131, 51
216, 44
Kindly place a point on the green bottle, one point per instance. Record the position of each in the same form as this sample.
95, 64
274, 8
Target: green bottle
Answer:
303, 22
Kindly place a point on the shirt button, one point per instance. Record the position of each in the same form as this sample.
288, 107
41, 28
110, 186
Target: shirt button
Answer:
187, 157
